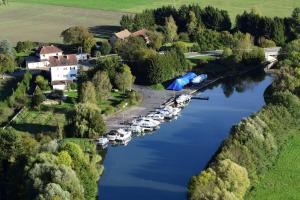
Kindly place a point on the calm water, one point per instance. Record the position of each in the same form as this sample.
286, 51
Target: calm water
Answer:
159, 166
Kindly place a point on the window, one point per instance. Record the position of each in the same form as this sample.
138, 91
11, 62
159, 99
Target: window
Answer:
65, 68
72, 68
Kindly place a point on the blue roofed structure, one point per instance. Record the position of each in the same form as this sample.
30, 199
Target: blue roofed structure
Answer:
179, 83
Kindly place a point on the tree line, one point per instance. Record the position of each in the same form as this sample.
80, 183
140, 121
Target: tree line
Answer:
189, 18
44, 168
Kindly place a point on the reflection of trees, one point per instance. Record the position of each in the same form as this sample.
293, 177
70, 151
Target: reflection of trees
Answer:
241, 83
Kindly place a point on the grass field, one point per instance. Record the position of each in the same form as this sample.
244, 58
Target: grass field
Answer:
267, 7
44, 20
44, 23
282, 181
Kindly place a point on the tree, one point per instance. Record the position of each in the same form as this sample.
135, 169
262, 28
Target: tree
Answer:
87, 121
6, 47
76, 35
38, 97
87, 93
102, 84
124, 79
171, 29
42, 83
105, 47
88, 44
25, 46
192, 23
155, 38
216, 19
296, 23
47, 180
7, 64
109, 64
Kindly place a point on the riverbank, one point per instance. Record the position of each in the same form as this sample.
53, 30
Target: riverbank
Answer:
251, 148
152, 99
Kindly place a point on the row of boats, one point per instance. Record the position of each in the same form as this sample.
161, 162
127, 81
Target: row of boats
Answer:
144, 124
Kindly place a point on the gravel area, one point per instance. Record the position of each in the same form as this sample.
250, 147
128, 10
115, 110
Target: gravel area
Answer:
152, 99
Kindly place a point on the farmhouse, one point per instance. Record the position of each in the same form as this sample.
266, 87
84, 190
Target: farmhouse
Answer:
124, 34
63, 68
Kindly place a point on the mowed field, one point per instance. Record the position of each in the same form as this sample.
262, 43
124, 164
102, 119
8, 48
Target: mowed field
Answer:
282, 180
44, 20
44, 23
267, 7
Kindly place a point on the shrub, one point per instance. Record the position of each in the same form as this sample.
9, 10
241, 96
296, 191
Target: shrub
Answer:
25, 46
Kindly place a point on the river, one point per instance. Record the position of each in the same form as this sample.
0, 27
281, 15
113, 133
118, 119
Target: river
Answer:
158, 166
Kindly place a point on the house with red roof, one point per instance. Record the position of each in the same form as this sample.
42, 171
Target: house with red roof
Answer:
124, 34
63, 68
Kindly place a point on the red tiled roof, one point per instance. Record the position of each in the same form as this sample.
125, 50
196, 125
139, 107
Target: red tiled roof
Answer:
49, 49
123, 34
65, 60
141, 32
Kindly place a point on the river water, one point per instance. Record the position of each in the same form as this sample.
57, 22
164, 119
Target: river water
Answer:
158, 166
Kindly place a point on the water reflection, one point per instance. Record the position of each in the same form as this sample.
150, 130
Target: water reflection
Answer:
158, 166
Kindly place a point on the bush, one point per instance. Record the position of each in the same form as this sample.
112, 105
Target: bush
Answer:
184, 37
105, 47
265, 43
25, 46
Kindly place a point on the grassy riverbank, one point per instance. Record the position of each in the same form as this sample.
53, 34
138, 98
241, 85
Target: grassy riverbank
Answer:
282, 180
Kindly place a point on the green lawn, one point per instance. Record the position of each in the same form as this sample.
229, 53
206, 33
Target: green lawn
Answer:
267, 7
283, 180
44, 120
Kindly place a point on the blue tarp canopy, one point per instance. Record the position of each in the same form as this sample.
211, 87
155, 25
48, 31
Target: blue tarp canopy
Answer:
182, 81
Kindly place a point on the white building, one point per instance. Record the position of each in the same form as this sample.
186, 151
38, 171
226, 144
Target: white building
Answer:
41, 60
63, 70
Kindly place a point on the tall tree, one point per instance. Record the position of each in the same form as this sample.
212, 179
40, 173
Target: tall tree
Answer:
76, 35
87, 121
6, 47
102, 84
192, 23
124, 79
7, 64
171, 29
87, 93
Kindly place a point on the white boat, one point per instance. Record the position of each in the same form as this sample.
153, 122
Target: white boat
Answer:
112, 135
136, 129
199, 79
123, 135
174, 111
184, 98
166, 114
156, 116
102, 141
146, 122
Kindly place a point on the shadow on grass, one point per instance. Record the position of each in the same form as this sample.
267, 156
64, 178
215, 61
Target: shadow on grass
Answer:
104, 31
34, 128
7, 87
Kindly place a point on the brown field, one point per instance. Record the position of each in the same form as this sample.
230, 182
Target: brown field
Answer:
44, 23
